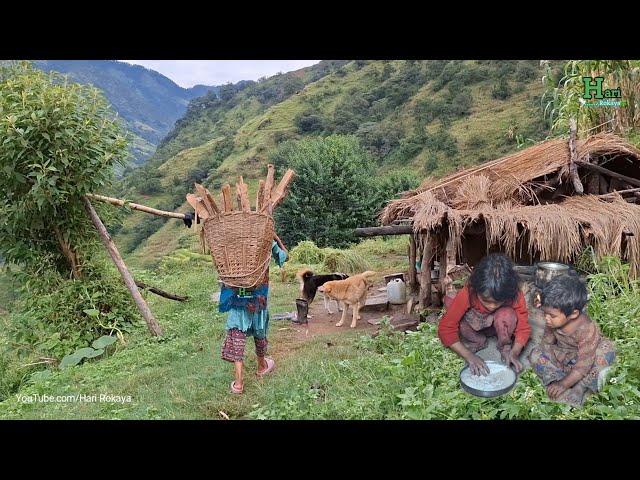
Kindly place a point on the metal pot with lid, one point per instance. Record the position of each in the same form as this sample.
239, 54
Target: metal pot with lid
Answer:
545, 271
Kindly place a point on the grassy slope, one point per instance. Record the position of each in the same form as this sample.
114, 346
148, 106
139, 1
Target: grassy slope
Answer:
255, 128
181, 376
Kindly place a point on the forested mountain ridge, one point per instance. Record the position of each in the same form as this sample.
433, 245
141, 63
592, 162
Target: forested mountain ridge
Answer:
149, 102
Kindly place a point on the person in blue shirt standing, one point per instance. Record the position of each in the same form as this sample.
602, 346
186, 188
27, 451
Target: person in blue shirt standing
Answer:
249, 317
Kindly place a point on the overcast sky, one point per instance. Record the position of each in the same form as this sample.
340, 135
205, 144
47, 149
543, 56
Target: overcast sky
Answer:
188, 73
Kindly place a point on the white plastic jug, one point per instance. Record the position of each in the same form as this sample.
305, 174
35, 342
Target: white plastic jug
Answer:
396, 291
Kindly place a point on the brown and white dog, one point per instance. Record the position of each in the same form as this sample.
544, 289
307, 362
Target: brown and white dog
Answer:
310, 282
351, 291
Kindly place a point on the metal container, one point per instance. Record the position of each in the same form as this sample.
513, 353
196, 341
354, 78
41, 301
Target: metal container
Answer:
489, 393
545, 271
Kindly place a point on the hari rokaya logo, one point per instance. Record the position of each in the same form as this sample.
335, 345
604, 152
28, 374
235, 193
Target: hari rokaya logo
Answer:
605, 97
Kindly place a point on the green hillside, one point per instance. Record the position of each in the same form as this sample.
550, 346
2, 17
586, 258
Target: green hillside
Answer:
431, 116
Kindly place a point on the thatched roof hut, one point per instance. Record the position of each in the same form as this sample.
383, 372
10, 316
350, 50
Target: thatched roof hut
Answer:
547, 202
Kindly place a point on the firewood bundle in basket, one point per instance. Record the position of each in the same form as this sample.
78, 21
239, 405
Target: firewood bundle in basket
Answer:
240, 240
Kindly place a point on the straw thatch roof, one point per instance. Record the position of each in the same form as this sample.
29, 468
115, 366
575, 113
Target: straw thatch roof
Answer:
502, 195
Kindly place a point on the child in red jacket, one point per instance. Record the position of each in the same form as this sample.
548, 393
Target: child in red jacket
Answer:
490, 304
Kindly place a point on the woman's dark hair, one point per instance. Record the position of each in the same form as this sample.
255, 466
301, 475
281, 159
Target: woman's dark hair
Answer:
567, 293
494, 275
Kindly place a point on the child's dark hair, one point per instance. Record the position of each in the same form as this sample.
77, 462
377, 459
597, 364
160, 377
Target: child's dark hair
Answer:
567, 293
494, 275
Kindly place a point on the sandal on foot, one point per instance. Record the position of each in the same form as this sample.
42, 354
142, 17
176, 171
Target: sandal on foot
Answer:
234, 390
270, 366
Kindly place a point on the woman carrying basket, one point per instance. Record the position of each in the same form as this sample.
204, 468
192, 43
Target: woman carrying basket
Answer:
249, 317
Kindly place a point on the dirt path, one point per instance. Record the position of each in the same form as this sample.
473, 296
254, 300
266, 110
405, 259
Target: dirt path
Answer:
291, 336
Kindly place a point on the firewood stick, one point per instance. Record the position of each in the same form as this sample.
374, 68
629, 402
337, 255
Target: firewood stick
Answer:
243, 195
205, 201
197, 205
260, 196
268, 186
280, 192
226, 195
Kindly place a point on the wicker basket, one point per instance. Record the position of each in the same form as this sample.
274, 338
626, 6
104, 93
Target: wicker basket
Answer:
240, 244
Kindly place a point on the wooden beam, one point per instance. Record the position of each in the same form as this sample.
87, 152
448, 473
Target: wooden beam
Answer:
573, 169
598, 168
135, 206
388, 230
635, 191
412, 264
154, 328
474, 229
425, 273
162, 293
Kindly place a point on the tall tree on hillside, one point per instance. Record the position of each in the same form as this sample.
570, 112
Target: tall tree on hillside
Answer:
333, 192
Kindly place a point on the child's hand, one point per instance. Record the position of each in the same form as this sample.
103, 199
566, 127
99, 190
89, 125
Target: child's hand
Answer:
510, 358
555, 389
477, 366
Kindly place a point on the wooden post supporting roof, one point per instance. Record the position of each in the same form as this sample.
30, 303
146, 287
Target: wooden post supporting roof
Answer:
412, 264
425, 271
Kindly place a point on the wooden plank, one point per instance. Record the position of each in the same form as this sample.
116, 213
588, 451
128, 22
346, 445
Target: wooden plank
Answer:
388, 230
268, 186
260, 196
153, 326
197, 204
205, 200
216, 209
279, 193
226, 195
243, 193
605, 171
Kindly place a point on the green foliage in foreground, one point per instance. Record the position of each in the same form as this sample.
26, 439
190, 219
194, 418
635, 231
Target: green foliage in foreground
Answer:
338, 375
411, 376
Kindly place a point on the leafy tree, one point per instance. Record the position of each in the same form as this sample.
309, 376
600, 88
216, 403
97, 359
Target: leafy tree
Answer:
501, 90
60, 141
389, 186
308, 122
333, 192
